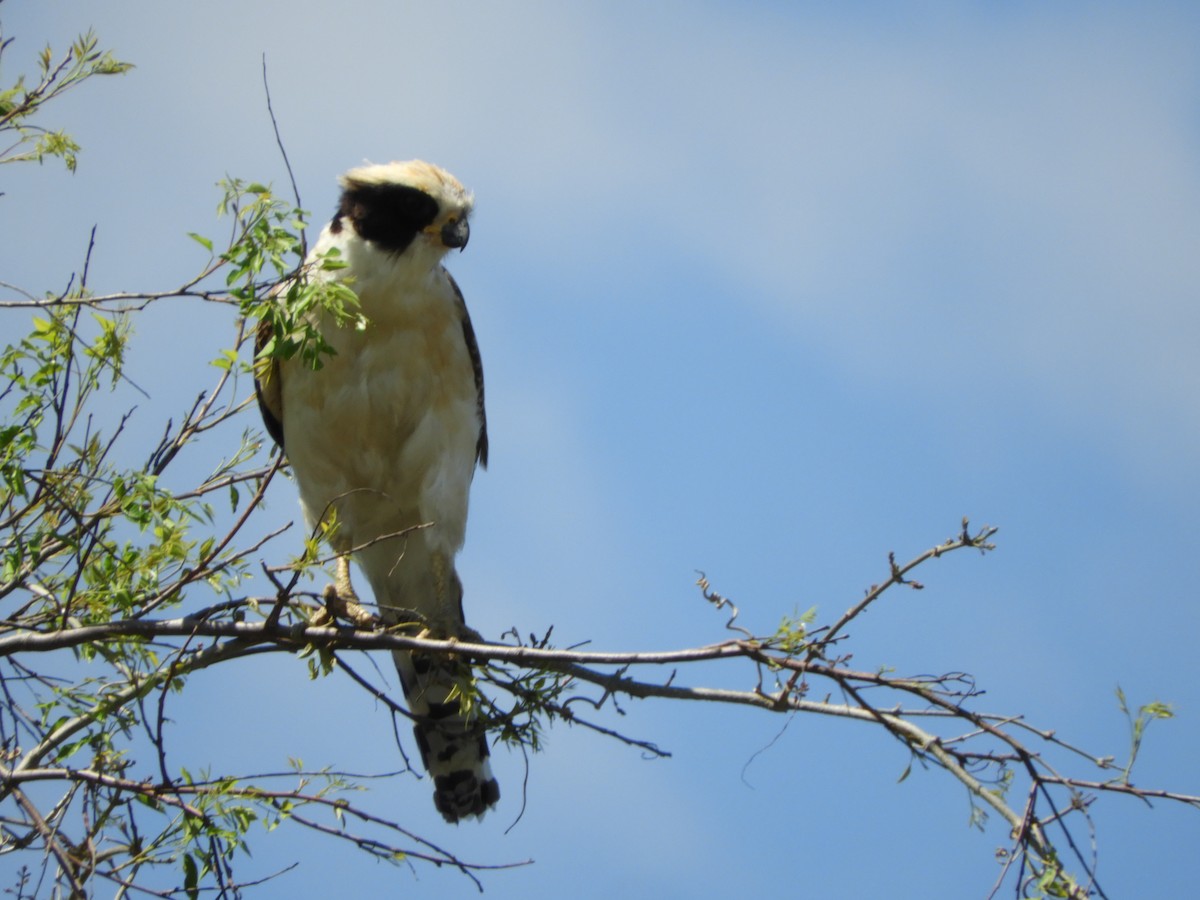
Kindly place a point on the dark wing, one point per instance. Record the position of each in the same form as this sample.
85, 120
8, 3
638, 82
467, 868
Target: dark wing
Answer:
481, 445
268, 388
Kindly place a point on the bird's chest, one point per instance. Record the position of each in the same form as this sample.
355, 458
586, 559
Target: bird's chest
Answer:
394, 402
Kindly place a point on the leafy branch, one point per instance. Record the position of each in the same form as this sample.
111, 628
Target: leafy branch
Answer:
20, 103
932, 716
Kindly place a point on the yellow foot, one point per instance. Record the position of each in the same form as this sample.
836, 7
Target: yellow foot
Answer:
339, 605
411, 622
453, 631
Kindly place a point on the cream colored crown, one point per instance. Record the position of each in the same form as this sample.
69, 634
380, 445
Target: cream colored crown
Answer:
435, 181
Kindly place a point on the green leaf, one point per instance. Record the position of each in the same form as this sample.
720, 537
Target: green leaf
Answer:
201, 240
191, 877
1158, 710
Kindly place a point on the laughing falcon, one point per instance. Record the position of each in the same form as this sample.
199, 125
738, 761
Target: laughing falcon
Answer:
385, 435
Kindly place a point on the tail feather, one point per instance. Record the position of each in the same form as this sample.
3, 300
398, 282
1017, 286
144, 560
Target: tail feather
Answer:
454, 749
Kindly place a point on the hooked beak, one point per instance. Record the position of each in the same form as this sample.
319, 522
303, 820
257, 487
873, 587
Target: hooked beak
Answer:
456, 233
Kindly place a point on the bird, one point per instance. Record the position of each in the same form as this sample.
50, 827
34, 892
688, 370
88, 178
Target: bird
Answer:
384, 435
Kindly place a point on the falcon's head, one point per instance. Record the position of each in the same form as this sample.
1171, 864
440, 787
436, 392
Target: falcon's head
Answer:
396, 204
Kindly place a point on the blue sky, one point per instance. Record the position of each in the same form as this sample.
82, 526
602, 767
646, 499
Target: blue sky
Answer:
767, 290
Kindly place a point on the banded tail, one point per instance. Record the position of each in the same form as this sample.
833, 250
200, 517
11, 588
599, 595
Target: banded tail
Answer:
454, 748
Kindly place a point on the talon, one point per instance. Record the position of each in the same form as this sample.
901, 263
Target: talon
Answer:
322, 617
342, 603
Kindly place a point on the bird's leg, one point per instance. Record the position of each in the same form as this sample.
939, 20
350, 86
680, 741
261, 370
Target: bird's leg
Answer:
449, 620
342, 602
